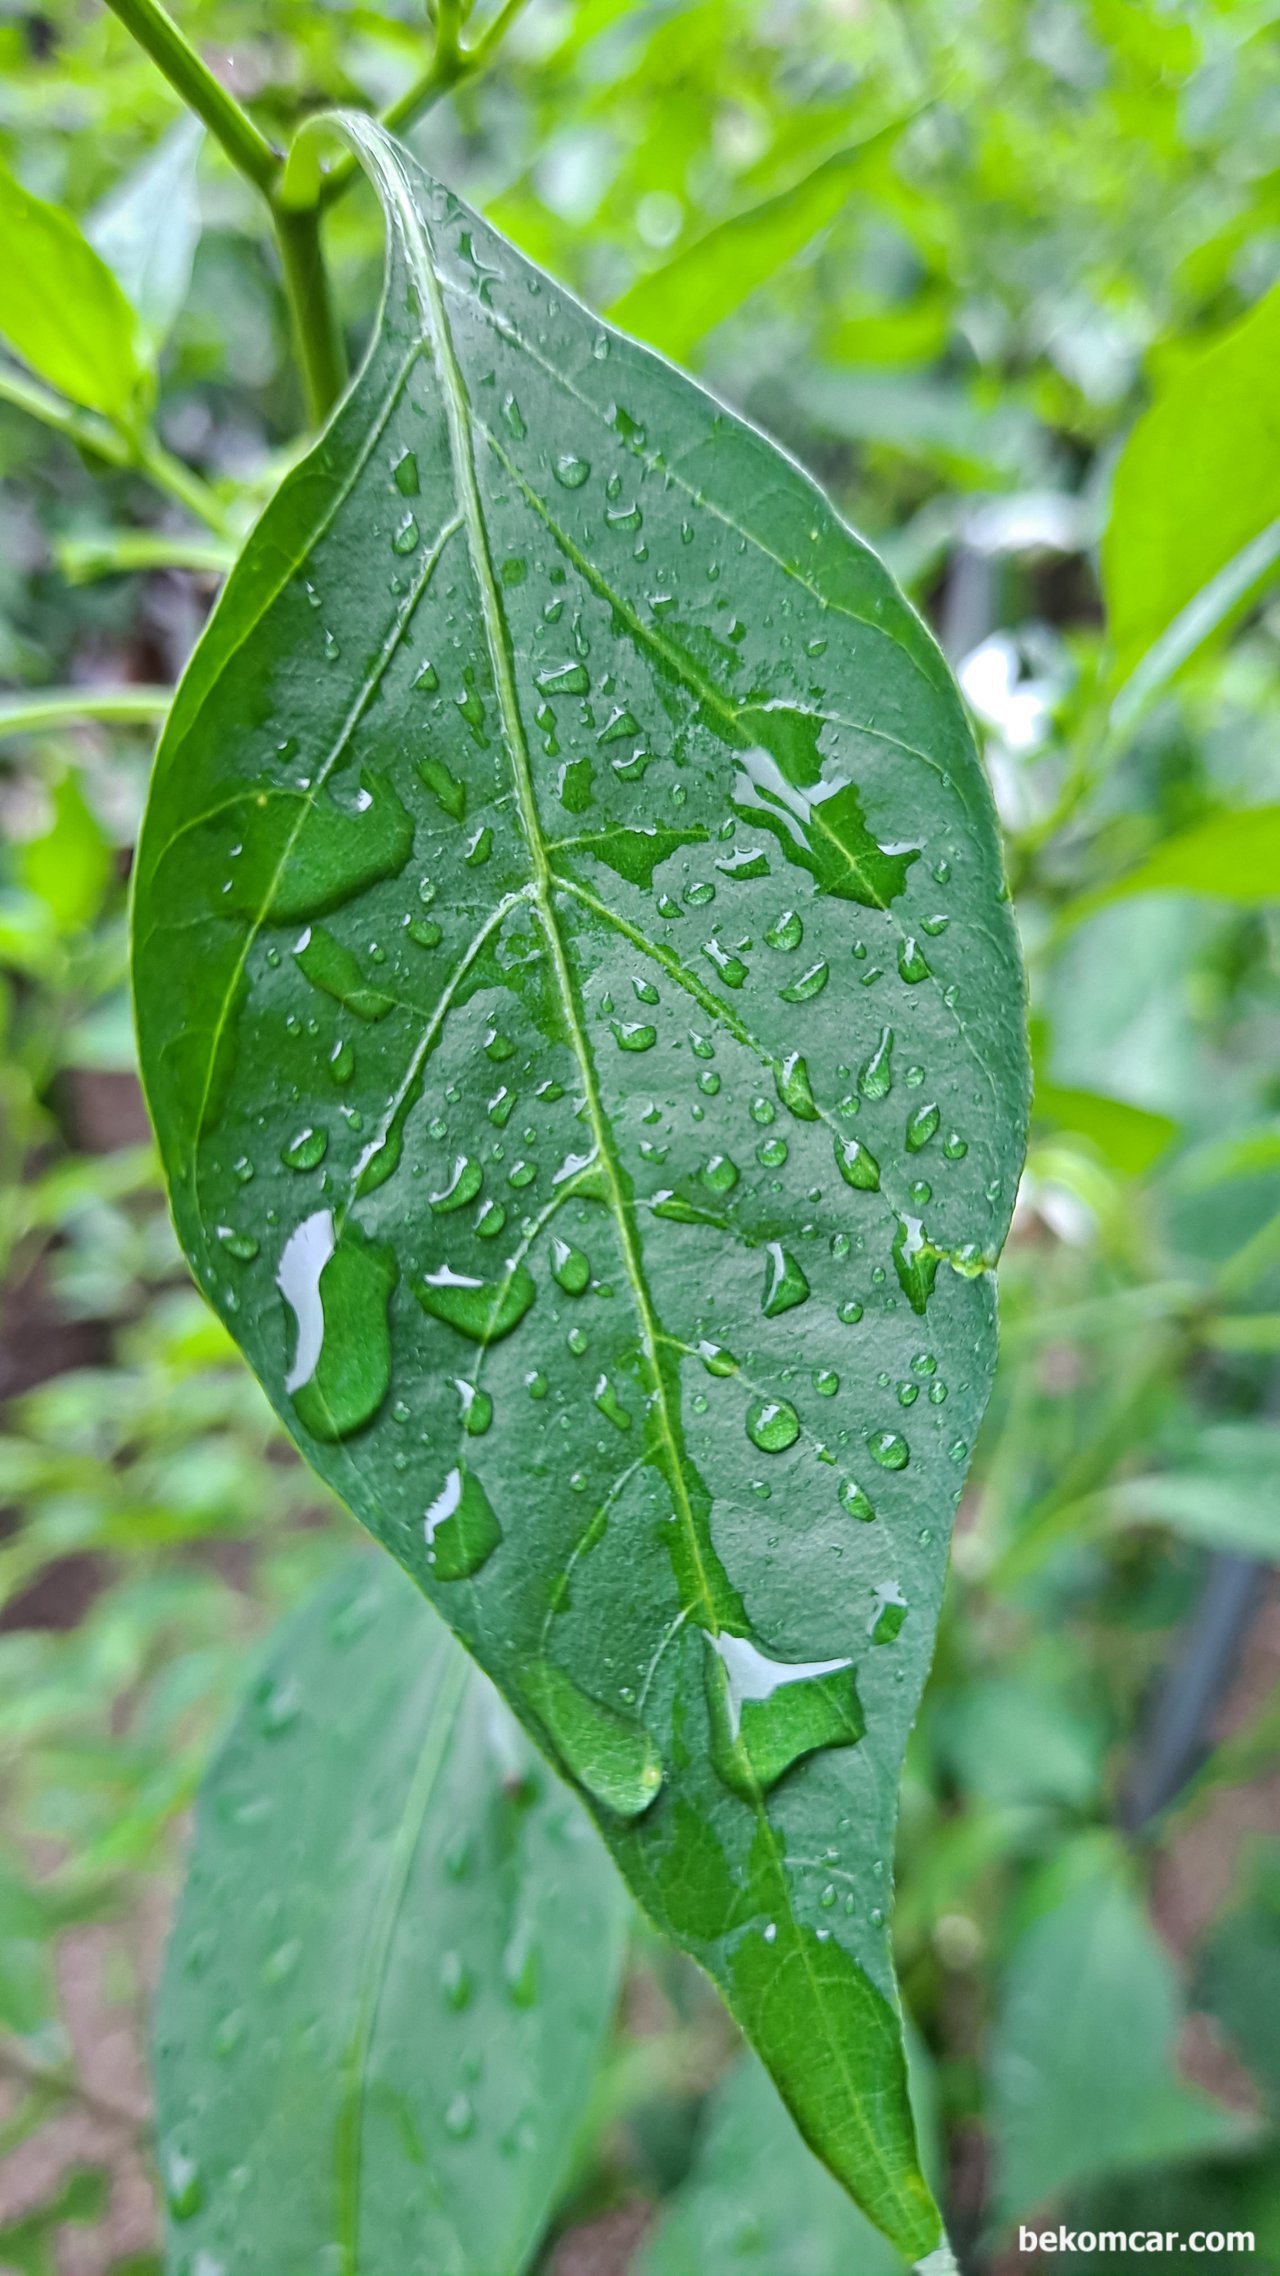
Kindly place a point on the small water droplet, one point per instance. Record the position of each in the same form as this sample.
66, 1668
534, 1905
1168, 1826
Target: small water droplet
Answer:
720, 1173
854, 1502
921, 1127
307, 1150
570, 1269
571, 471
911, 961
826, 1382
633, 1035
787, 932
888, 1449
772, 1425
407, 536
242, 1246
405, 474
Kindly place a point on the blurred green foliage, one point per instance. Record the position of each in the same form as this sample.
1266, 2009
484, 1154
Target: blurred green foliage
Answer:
949, 252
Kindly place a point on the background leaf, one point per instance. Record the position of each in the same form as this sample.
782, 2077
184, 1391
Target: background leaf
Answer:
564, 830
61, 308
676, 305
1197, 483
148, 228
394, 1966
1082, 2077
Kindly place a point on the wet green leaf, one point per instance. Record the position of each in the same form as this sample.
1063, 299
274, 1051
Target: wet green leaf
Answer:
697, 1534
755, 2203
394, 1965
61, 308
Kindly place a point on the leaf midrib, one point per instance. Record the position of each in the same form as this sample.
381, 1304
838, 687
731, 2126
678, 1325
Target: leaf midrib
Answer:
442, 1715
459, 418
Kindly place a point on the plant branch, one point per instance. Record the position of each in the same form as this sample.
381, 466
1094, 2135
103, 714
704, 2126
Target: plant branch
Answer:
315, 327
83, 428
106, 441
190, 77
118, 552
451, 66
57, 707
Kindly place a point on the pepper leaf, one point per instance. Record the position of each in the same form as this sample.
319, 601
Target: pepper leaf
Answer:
384, 1881
620, 1249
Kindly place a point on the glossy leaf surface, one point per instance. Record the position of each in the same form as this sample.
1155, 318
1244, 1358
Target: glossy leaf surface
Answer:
393, 1969
584, 1028
756, 2204
61, 308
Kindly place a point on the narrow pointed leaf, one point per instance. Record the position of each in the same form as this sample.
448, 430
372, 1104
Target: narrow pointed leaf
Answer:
148, 227
584, 1028
756, 2204
393, 1969
61, 309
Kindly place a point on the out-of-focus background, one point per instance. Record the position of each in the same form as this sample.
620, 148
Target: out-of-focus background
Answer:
948, 252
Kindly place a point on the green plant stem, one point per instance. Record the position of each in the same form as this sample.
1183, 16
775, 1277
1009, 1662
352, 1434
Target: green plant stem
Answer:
451, 65
315, 328
56, 707
117, 448
190, 77
119, 552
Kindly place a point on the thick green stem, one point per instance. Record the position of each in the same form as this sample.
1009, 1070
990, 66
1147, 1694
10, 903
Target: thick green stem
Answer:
315, 328
245, 145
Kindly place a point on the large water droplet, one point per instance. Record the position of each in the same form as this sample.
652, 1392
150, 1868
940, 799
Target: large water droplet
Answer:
915, 1262
809, 984
612, 1756
794, 1088
460, 1528
921, 1127
633, 1035
334, 970
768, 1714
570, 1269
484, 1310
787, 933
889, 1614
784, 1284
875, 1076
607, 1400
463, 1187
911, 961
857, 1166
338, 1293
570, 471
